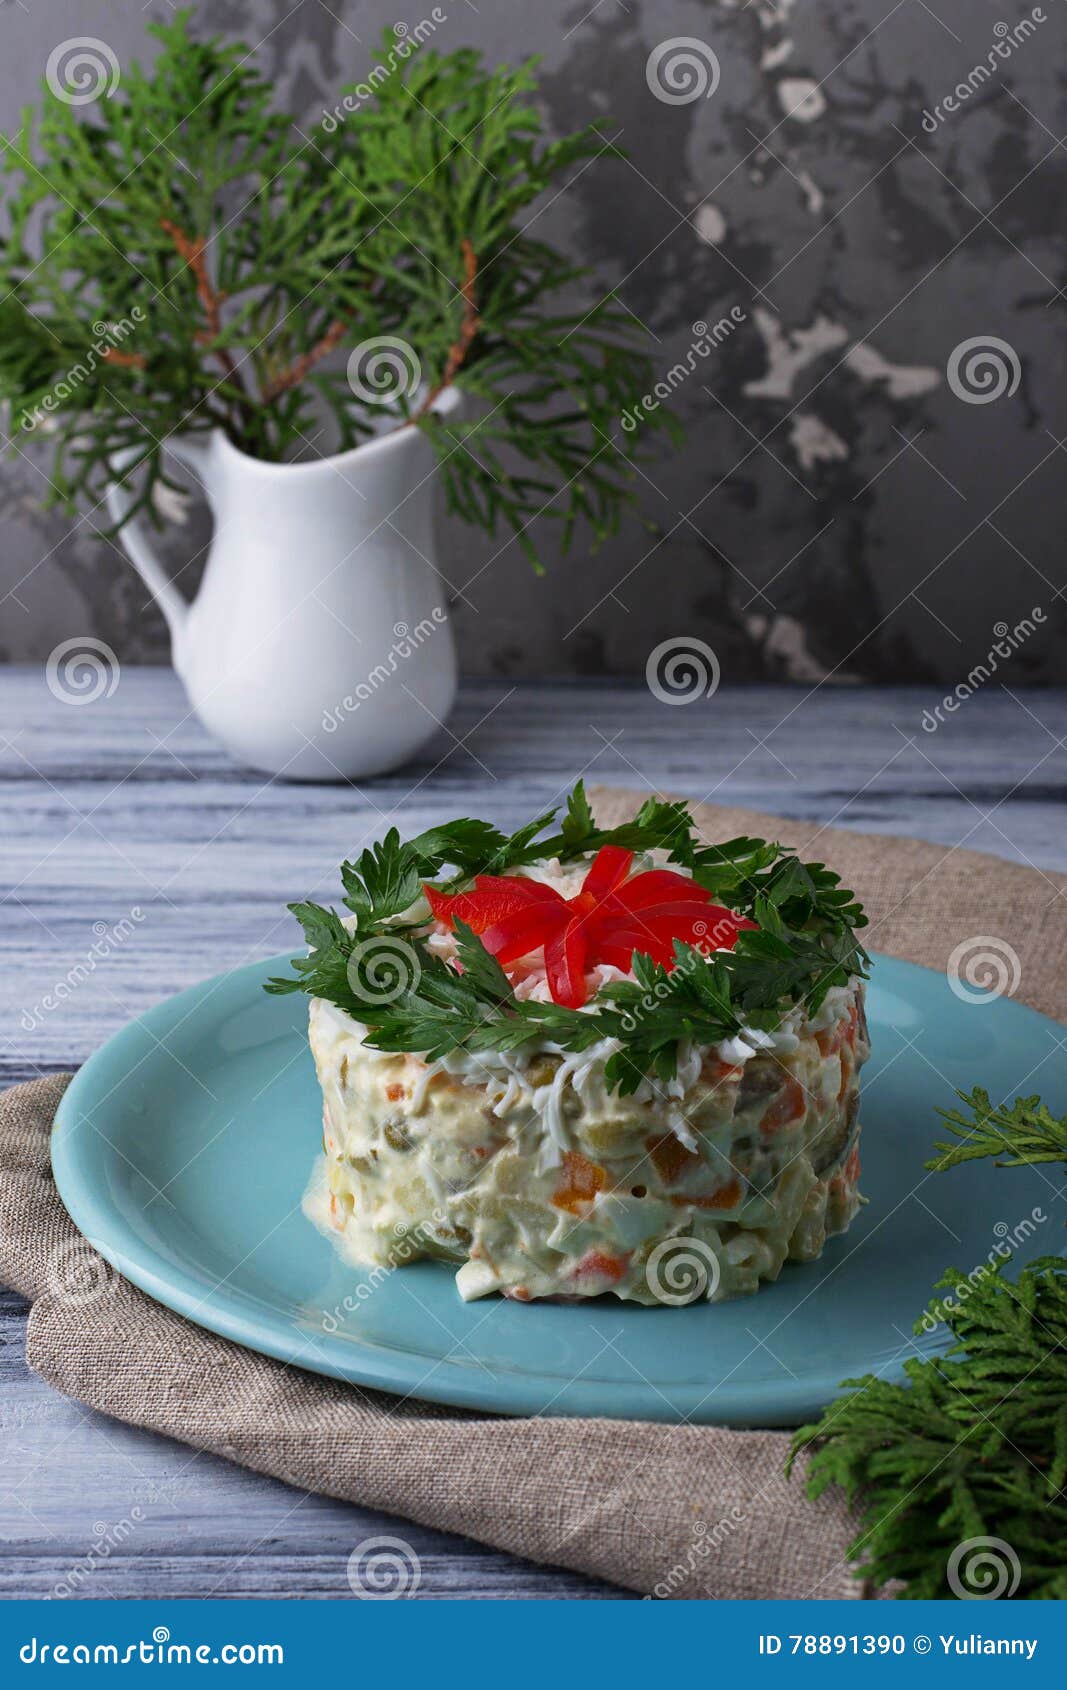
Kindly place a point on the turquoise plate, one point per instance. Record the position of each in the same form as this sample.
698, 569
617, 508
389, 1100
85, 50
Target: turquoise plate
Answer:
182, 1150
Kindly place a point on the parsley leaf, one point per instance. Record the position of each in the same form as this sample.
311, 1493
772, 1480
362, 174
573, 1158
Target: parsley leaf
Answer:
467, 845
383, 881
803, 945
323, 973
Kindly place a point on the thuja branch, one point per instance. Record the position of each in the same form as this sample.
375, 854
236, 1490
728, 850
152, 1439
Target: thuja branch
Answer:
191, 249
457, 352
972, 1449
301, 366
124, 360
1014, 1134
367, 225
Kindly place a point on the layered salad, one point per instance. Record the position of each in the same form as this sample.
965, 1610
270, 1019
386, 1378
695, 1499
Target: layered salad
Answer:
580, 1061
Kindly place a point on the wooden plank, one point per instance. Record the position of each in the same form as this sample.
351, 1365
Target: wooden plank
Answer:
124, 806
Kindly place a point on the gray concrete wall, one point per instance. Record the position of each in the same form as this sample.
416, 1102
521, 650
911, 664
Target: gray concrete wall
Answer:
840, 505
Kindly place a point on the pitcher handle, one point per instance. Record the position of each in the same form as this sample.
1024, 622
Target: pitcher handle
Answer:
135, 537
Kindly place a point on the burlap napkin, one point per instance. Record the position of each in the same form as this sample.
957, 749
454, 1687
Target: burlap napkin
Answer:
682, 1511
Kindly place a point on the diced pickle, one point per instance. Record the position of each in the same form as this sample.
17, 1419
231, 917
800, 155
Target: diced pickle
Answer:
604, 1137
759, 1083
396, 1136
542, 1070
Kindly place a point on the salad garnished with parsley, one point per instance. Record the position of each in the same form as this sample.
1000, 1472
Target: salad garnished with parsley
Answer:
789, 937
575, 1060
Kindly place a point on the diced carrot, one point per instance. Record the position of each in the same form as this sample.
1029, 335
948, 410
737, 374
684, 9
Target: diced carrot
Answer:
716, 1073
846, 1073
670, 1158
597, 1264
582, 1180
842, 1033
394, 1092
788, 1106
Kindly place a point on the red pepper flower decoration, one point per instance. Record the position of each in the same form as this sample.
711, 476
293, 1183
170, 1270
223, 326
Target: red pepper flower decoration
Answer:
610, 919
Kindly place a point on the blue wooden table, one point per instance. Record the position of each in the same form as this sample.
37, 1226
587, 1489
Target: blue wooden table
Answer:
124, 805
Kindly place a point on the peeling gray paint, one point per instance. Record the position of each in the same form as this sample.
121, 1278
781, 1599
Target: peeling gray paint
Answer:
827, 516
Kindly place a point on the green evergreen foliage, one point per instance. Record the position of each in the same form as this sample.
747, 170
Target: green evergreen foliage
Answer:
974, 1446
182, 257
1016, 1134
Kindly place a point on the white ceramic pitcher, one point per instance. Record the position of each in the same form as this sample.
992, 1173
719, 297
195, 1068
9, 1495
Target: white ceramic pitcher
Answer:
319, 645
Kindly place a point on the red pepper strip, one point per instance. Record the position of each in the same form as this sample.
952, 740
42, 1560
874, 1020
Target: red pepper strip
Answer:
710, 924
523, 931
565, 954
692, 930
619, 953
609, 867
624, 906
490, 902
657, 886
682, 909
659, 946
655, 938
609, 919
533, 891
